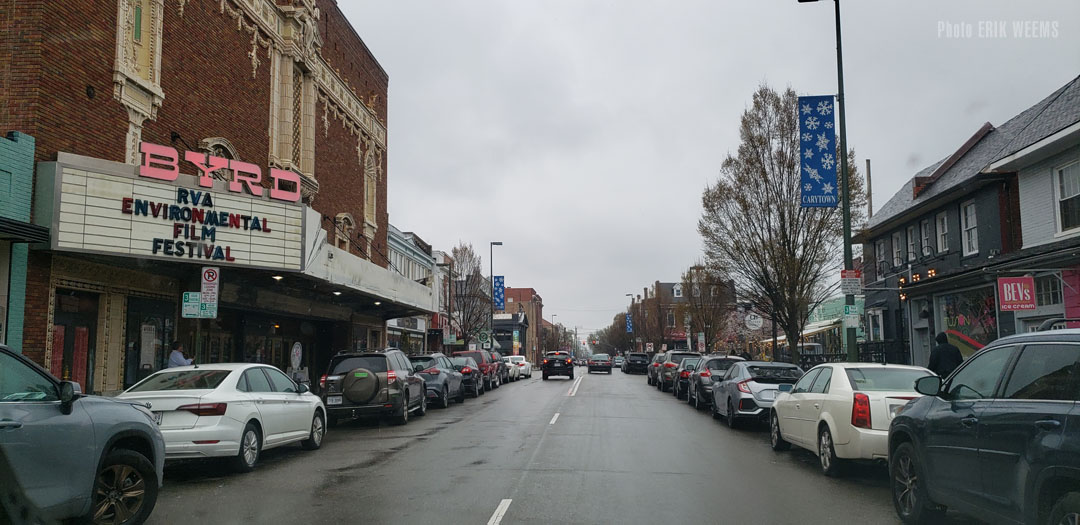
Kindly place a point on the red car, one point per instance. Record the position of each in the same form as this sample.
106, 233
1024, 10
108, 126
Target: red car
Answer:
488, 367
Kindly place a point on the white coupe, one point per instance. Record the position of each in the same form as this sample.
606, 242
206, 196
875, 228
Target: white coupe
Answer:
523, 366
232, 410
842, 410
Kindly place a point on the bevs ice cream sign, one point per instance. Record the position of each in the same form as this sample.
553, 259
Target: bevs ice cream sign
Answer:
1016, 293
158, 211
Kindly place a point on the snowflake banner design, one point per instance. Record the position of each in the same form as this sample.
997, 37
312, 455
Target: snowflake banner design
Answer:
499, 293
817, 132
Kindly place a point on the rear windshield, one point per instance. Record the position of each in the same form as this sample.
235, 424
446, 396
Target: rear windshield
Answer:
774, 374
477, 356
182, 380
638, 356
517, 358
420, 362
462, 361
690, 361
720, 364
677, 358
557, 354
374, 363
600, 357
869, 379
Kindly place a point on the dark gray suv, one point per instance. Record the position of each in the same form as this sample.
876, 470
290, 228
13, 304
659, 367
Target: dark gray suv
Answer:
373, 384
59, 445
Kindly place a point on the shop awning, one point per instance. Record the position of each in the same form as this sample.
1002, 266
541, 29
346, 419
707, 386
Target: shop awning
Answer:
811, 329
17, 231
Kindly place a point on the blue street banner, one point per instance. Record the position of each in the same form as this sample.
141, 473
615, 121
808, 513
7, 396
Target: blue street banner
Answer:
629, 324
499, 293
817, 145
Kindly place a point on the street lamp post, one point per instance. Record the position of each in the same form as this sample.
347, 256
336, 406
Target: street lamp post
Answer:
491, 319
849, 343
633, 341
554, 333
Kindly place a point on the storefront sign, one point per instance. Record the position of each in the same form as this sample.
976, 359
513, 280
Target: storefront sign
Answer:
155, 212
1016, 293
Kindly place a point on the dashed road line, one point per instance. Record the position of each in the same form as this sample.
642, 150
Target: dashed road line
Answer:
573, 389
500, 511
554, 419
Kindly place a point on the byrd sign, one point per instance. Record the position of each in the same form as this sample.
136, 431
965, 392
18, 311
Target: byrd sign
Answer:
155, 211
1016, 293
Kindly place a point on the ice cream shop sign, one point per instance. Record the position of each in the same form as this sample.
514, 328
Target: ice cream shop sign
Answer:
155, 211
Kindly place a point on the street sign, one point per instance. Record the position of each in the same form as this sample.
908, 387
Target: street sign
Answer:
648, 347
191, 305
754, 321
448, 337
296, 354
851, 309
851, 320
701, 346
851, 282
483, 337
210, 286
472, 347
663, 347
487, 345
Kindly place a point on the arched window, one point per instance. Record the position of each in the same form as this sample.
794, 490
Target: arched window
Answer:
219, 147
345, 225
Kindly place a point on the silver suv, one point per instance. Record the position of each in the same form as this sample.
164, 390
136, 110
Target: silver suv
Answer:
58, 445
666, 373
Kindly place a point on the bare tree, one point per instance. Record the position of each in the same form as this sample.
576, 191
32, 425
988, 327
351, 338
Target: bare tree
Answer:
708, 304
471, 300
780, 254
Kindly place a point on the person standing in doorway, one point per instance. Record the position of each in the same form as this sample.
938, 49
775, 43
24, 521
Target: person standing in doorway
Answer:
945, 357
177, 357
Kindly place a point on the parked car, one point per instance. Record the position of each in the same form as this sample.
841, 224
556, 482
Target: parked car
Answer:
523, 365
229, 410
749, 388
472, 380
442, 381
373, 383
512, 370
665, 373
503, 368
557, 364
618, 361
709, 372
488, 368
599, 363
842, 411
636, 363
68, 451
653, 372
997, 440
681, 384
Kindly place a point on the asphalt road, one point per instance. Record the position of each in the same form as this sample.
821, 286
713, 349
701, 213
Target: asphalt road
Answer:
617, 452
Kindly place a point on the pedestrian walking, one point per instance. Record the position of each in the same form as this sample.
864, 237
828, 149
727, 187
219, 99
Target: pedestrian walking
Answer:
177, 357
945, 357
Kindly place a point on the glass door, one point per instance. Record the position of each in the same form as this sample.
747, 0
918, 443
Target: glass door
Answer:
74, 336
149, 333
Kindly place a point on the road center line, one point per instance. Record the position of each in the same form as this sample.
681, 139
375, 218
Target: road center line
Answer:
573, 389
554, 418
500, 511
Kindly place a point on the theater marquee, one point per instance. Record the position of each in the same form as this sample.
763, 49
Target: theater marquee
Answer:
151, 212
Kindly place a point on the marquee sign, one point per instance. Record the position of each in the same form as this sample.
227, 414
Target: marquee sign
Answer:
154, 211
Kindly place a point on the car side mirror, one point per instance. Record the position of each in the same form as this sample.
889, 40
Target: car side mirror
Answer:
785, 387
928, 386
302, 389
69, 392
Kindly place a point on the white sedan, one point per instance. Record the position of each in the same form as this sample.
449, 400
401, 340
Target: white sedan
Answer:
842, 410
232, 410
523, 365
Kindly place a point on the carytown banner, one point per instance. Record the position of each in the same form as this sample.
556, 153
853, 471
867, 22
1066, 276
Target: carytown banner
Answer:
817, 145
499, 294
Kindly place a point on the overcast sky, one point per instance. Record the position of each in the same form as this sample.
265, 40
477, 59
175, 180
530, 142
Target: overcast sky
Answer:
581, 133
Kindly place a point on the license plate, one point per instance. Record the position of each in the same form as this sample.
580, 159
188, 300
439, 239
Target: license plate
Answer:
768, 395
333, 400
157, 417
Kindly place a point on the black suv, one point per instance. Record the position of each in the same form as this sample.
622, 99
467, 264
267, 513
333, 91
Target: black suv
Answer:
997, 440
557, 364
636, 363
376, 383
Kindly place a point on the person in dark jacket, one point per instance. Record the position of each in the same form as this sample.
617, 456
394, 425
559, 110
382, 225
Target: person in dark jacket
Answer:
945, 357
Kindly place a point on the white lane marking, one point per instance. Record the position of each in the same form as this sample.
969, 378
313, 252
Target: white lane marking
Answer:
500, 511
573, 389
554, 418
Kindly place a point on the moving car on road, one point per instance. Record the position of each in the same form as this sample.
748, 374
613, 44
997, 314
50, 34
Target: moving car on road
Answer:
748, 389
682, 376
72, 456
842, 410
472, 379
442, 381
230, 410
373, 383
702, 379
636, 363
557, 364
652, 374
523, 365
617, 361
997, 440
665, 373
488, 369
599, 363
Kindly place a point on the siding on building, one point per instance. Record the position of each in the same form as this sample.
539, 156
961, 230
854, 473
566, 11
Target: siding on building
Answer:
1038, 200
16, 189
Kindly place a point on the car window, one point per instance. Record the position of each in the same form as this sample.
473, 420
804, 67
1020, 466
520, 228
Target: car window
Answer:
374, 363
1047, 372
476, 356
280, 381
824, 379
257, 381
720, 364
691, 364
420, 362
978, 378
19, 382
601, 357
445, 363
732, 373
201, 379
774, 373
803, 385
896, 379
677, 358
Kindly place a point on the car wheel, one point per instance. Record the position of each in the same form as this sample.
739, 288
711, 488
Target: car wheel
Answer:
1067, 510
776, 439
545, 377
476, 389
403, 417
830, 464
712, 410
444, 400
571, 376
250, 446
691, 399
422, 411
125, 489
318, 430
648, 380
732, 421
909, 495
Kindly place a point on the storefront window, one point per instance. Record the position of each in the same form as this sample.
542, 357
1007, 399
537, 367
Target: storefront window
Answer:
149, 333
74, 337
969, 318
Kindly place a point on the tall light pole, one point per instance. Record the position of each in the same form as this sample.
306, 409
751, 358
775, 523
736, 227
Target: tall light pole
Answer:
491, 319
849, 339
554, 333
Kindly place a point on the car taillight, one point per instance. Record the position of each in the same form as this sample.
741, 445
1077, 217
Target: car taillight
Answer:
684, 374
860, 411
521, 364
656, 364
567, 361
391, 376
705, 373
670, 365
205, 409
434, 371
466, 370
744, 387
322, 381
545, 361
